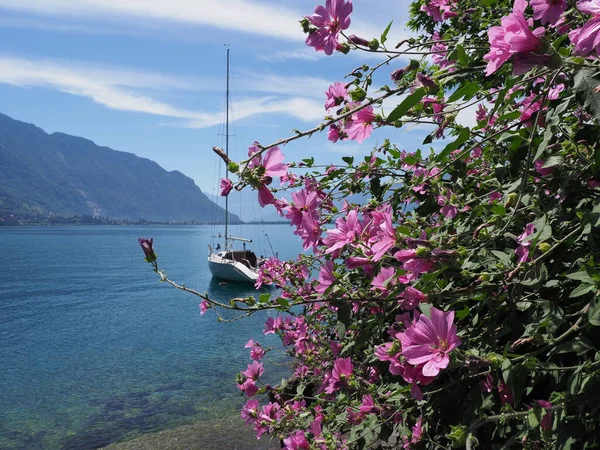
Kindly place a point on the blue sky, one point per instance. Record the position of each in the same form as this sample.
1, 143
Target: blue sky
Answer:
148, 76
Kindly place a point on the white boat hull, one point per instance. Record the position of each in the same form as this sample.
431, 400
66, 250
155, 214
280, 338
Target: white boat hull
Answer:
229, 270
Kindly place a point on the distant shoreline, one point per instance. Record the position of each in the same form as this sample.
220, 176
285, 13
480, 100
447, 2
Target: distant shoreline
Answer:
126, 223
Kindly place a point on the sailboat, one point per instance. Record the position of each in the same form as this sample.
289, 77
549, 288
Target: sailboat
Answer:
229, 264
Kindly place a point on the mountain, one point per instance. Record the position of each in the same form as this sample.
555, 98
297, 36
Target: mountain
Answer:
245, 204
56, 173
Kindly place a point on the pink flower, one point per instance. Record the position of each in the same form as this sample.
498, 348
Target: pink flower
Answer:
439, 10
265, 196
329, 21
539, 167
256, 350
447, 208
548, 11
430, 341
411, 297
248, 387
505, 394
346, 232
368, 405
546, 422
384, 231
587, 39
268, 166
554, 92
529, 107
353, 417
250, 411
204, 306
305, 202
495, 196
309, 231
487, 385
361, 125
226, 186
273, 163
589, 7
415, 435
326, 277
522, 251
296, 441
335, 134
335, 95
254, 370
524, 62
512, 37
342, 369
385, 279
562, 26
272, 325
439, 51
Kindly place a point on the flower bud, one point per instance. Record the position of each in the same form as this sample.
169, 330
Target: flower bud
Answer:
399, 74
358, 40
544, 247
427, 82
146, 244
226, 186
511, 199
344, 48
422, 252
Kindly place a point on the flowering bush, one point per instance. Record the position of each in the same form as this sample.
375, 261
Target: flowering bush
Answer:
458, 305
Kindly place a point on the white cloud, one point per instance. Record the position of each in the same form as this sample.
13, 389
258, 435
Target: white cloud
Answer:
120, 89
303, 54
287, 85
254, 17
466, 117
275, 18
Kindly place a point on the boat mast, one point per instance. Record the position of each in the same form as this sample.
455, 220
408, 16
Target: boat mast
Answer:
227, 151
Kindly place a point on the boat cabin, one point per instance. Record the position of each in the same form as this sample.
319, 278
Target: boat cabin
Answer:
246, 257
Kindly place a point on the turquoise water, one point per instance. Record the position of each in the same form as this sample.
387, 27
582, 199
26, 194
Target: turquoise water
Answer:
94, 349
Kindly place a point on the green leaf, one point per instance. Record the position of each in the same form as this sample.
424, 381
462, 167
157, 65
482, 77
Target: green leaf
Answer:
376, 190
580, 346
533, 417
513, 186
344, 313
467, 91
582, 276
503, 257
594, 313
517, 377
499, 210
553, 161
283, 302
300, 389
513, 115
586, 82
462, 313
463, 136
358, 94
385, 33
348, 160
406, 104
548, 134
403, 230
582, 289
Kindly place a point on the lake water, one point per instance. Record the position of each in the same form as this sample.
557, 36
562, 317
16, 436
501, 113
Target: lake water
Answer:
94, 349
